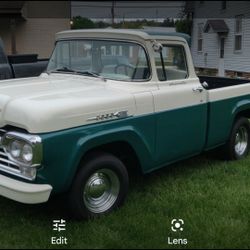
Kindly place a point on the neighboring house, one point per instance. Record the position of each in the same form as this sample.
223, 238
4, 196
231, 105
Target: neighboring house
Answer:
221, 38
30, 26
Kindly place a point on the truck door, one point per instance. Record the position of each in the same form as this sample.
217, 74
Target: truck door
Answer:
180, 106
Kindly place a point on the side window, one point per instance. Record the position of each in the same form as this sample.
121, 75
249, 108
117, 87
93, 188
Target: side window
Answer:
200, 37
171, 63
61, 57
238, 33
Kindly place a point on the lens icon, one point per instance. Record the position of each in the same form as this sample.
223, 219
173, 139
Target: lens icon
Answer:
177, 225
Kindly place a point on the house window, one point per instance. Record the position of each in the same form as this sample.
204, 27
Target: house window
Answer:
238, 33
200, 37
223, 5
222, 47
238, 42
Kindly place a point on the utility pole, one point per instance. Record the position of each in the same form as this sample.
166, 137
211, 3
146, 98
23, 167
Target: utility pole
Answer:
113, 13
13, 36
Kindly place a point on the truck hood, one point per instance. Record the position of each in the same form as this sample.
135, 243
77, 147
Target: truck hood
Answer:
60, 101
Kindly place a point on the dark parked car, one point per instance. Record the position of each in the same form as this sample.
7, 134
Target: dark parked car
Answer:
16, 66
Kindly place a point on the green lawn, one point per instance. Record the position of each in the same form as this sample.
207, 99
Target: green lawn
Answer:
211, 196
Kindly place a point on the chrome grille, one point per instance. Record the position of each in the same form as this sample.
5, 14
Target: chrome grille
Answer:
8, 166
5, 162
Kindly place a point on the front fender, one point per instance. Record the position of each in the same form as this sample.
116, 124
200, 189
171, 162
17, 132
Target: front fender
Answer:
64, 150
128, 134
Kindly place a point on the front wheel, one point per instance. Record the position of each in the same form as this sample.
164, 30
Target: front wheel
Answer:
99, 187
238, 145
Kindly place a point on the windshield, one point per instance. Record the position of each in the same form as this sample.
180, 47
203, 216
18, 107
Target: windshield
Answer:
107, 59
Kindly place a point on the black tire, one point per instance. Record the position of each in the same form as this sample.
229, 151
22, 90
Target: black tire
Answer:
99, 172
240, 133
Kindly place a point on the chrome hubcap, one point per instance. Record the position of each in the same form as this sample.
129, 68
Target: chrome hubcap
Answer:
101, 191
241, 141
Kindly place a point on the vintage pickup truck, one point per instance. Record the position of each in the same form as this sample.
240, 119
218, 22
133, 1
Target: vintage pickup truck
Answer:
111, 100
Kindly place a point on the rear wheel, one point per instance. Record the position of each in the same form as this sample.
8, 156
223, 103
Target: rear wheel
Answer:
100, 186
238, 145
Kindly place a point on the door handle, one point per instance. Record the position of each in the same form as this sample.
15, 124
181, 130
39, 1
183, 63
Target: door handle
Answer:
198, 89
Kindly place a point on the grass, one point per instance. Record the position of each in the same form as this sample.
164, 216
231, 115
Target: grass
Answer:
211, 196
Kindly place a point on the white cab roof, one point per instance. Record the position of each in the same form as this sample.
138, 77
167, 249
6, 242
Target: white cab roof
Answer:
122, 34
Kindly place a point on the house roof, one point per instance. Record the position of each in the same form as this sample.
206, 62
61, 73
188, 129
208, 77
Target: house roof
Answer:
11, 8
218, 26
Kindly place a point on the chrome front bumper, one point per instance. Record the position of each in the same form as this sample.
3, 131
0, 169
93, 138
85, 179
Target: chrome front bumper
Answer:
24, 192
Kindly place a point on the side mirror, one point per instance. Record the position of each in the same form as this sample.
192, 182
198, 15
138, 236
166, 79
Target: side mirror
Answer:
157, 47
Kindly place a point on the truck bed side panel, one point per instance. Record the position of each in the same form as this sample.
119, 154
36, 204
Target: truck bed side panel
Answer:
224, 105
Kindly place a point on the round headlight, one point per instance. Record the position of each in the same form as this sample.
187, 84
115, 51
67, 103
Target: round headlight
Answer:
27, 153
15, 149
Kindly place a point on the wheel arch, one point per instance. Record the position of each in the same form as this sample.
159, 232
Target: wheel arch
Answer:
120, 143
241, 109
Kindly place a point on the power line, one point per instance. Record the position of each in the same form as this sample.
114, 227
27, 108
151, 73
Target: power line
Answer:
127, 7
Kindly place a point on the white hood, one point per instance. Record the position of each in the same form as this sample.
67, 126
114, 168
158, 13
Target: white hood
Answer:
59, 101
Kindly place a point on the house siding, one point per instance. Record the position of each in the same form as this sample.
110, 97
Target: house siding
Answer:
208, 57
233, 61
35, 31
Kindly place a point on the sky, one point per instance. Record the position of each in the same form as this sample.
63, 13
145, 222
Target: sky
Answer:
128, 10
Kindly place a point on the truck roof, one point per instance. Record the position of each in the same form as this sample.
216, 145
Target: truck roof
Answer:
127, 34
167, 34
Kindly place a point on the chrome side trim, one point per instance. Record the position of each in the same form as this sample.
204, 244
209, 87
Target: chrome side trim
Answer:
118, 115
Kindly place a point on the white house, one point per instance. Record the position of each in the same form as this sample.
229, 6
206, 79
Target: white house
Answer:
221, 37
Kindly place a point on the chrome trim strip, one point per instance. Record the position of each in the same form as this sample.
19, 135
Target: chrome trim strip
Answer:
14, 172
8, 170
109, 116
33, 139
9, 162
2, 153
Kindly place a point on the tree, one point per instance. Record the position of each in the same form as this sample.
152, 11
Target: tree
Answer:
101, 24
184, 26
82, 23
168, 23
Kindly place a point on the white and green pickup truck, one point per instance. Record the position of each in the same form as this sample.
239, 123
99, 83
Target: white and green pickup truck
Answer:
112, 99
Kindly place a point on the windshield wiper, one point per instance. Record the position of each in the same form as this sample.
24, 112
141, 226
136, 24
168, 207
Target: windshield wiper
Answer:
63, 69
87, 73
90, 73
